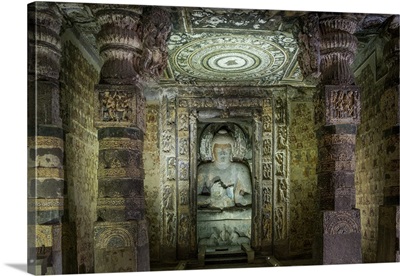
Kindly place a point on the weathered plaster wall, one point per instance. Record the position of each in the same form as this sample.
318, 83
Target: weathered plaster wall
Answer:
303, 178
81, 149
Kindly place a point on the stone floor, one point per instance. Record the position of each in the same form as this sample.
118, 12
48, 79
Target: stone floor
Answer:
193, 264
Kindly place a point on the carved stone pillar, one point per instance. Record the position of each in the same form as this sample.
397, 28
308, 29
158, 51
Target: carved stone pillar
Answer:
340, 98
328, 52
389, 212
121, 230
45, 139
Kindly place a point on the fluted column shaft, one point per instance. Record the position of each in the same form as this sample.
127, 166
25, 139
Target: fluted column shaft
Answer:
131, 42
328, 48
45, 138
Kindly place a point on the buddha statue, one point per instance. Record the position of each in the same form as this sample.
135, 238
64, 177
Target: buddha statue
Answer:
223, 183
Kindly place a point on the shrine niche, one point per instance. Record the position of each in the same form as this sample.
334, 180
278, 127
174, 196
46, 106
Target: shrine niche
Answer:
224, 188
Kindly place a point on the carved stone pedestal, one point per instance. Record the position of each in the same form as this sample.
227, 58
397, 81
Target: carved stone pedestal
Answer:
121, 246
341, 237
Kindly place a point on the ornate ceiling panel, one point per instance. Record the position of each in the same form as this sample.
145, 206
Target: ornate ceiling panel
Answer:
232, 58
211, 46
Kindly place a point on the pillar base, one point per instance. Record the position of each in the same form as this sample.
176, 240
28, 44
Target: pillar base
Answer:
340, 237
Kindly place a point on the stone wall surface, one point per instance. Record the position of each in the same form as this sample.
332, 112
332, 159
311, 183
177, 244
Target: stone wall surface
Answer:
151, 159
370, 162
377, 147
81, 150
303, 162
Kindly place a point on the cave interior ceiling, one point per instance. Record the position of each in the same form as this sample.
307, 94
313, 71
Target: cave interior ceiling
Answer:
225, 47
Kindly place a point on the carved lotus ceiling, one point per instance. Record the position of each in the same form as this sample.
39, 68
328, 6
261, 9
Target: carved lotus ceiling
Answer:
222, 46
233, 47
232, 58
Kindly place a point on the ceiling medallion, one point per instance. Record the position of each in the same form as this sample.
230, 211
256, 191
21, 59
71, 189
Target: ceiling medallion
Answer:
227, 58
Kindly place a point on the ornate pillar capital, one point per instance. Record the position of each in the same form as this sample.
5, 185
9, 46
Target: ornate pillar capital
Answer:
119, 42
44, 49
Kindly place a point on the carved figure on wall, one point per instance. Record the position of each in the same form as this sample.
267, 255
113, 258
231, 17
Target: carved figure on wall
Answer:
280, 111
267, 149
279, 164
267, 123
266, 225
279, 223
183, 146
223, 183
171, 168
282, 190
170, 228
282, 135
116, 106
184, 197
184, 228
183, 170
167, 198
166, 140
183, 121
266, 193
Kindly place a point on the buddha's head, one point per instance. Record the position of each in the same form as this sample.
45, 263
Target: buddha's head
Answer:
222, 146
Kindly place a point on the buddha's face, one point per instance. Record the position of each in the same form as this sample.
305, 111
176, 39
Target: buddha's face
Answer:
222, 153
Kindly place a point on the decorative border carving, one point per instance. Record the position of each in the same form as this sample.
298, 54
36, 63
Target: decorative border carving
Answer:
45, 142
120, 143
45, 204
341, 222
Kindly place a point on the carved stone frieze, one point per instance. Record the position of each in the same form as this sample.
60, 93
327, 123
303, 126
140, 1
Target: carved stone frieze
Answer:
168, 198
342, 105
117, 106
